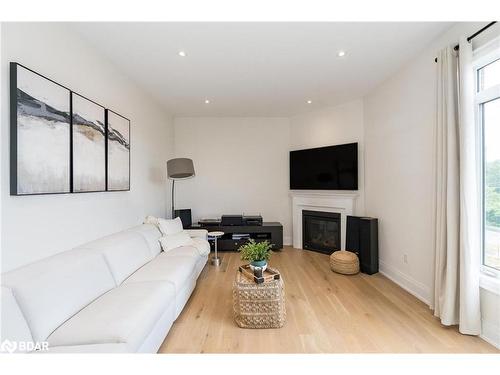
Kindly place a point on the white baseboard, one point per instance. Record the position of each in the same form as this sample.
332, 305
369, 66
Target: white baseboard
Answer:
490, 333
406, 282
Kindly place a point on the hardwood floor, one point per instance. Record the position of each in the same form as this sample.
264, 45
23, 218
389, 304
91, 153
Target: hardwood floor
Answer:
326, 313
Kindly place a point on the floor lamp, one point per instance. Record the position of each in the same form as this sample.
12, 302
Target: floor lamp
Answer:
179, 169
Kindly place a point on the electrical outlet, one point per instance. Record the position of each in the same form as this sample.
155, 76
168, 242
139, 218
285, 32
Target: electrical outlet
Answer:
405, 259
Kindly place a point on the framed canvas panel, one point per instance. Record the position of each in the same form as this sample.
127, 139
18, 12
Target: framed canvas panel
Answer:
40, 125
89, 145
118, 151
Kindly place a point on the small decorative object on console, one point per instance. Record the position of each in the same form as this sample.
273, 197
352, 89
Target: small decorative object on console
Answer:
236, 220
252, 220
209, 222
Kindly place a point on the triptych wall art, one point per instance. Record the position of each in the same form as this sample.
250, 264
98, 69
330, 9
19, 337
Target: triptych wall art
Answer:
62, 142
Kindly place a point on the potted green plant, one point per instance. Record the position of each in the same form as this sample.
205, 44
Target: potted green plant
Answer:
257, 253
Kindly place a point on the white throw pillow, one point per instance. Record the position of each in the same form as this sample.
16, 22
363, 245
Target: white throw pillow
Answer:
168, 227
173, 241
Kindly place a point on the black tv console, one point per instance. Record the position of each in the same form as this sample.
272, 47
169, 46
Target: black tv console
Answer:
271, 231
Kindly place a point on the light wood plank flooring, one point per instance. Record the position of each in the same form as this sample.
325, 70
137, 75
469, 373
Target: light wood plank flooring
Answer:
326, 313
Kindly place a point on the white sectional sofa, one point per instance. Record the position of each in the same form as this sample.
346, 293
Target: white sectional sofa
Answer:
120, 293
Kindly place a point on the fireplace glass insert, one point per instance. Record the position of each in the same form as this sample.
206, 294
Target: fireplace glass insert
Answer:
321, 231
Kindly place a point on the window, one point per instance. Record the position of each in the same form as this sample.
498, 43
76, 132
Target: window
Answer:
489, 75
491, 185
488, 118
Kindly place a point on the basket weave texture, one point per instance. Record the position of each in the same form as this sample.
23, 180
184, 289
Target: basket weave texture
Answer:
344, 262
258, 305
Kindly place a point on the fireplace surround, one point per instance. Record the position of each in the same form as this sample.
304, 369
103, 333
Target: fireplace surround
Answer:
327, 201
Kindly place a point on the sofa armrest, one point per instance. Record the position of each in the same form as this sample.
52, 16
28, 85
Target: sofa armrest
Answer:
198, 233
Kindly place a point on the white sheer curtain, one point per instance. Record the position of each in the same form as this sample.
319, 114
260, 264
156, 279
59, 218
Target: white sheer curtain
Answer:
457, 216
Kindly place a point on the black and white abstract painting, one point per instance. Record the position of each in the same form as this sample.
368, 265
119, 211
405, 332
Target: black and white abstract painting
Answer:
40, 133
89, 147
118, 152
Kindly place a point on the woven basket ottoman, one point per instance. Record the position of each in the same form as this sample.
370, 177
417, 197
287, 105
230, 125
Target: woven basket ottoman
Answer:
344, 262
258, 305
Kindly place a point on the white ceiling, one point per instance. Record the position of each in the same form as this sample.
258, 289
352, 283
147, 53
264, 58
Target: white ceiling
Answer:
258, 69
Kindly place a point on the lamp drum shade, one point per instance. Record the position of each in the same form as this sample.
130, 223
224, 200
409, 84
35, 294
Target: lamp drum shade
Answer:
180, 168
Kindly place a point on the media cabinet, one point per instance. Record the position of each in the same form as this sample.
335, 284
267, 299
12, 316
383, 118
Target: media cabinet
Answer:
270, 231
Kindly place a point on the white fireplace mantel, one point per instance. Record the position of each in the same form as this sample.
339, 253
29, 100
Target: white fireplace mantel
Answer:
343, 203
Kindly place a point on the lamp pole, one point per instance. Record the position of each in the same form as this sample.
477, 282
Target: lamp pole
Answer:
173, 186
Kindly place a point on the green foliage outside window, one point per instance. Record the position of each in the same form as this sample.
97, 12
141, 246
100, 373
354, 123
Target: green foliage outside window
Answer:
492, 194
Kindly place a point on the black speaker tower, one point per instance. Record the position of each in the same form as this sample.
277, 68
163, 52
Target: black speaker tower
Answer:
362, 238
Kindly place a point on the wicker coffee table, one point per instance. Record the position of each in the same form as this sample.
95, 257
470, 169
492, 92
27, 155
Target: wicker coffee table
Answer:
258, 305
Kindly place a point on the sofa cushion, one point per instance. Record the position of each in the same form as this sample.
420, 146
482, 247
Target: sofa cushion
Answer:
198, 233
52, 290
124, 252
13, 325
151, 234
203, 246
183, 251
126, 314
173, 241
178, 270
200, 264
198, 248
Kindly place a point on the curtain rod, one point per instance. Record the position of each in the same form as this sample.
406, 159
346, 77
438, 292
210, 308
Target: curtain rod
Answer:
473, 36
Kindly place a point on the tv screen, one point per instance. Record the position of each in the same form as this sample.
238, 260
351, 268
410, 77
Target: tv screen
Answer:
325, 168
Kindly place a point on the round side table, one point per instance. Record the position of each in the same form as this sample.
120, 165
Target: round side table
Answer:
215, 259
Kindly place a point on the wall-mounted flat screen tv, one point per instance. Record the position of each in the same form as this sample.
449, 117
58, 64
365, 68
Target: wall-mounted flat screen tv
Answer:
325, 168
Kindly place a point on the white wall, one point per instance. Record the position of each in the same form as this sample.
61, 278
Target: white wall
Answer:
241, 166
399, 148
332, 126
400, 119
35, 227
490, 313
242, 163
1, 149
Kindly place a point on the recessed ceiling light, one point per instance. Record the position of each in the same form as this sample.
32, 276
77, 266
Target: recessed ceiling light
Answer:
182, 53
341, 53
309, 102
207, 101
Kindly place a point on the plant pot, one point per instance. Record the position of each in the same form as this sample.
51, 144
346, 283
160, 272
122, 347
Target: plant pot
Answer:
258, 263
